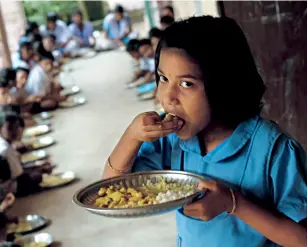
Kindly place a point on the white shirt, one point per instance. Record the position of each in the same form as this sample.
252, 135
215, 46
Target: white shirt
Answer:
39, 82
61, 31
147, 64
7, 152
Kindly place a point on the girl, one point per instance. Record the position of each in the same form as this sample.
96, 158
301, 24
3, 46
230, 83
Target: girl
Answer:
254, 174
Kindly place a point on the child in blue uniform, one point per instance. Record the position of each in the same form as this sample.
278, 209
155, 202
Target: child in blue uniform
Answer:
254, 173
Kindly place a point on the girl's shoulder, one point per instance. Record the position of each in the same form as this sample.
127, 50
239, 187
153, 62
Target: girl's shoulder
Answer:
268, 134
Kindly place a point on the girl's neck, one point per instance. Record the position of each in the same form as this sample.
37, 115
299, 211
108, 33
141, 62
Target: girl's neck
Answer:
212, 136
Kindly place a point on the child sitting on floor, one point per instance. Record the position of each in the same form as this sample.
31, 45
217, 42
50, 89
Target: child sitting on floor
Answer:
155, 35
27, 180
41, 83
6, 79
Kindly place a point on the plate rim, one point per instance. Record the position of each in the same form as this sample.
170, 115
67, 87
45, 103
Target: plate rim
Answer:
35, 151
40, 134
33, 235
45, 220
60, 185
90, 207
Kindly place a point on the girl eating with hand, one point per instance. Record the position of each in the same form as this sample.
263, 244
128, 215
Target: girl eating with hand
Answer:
254, 174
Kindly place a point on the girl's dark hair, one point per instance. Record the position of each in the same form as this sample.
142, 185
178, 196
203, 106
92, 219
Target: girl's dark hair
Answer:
155, 32
167, 20
232, 83
132, 45
119, 9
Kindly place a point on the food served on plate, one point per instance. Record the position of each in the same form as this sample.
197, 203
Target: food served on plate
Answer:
53, 180
33, 156
22, 226
117, 196
36, 130
36, 244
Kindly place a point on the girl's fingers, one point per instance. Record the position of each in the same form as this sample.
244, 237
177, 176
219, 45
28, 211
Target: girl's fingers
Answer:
160, 133
151, 118
161, 126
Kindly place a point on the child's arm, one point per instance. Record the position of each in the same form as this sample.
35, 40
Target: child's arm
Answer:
149, 76
288, 191
146, 127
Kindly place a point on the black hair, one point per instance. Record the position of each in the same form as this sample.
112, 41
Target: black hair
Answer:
155, 32
11, 108
119, 9
232, 82
31, 26
167, 19
3, 220
22, 69
77, 12
52, 17
10, 117
144, 42
45, 56
25, 44
7, 75
132, 45
49, 35
169, 8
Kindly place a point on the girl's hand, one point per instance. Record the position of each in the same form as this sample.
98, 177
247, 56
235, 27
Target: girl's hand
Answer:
149, 127
218, 199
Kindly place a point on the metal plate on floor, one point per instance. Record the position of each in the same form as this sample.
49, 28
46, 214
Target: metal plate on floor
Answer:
36, 130
33, 156
73, 101
27, 224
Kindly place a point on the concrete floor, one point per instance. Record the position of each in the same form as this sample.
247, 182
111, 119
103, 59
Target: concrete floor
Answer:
86, 135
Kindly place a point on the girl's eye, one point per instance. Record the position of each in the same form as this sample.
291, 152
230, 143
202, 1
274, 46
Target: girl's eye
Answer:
186, 84
163, 78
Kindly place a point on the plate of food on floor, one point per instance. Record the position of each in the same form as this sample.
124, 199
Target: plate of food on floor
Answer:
27, 224
36, 240
140, 194
73, 101
70, 90
43, 115
57, 179
38, 142
36, 130
33, 156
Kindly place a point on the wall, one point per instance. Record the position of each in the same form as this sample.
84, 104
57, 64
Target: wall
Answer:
184, 9
15, 22
277, 34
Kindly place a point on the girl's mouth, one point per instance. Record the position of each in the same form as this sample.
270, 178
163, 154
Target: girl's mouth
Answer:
172, 116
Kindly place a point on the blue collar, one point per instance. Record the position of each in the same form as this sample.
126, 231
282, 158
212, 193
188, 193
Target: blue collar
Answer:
231, 146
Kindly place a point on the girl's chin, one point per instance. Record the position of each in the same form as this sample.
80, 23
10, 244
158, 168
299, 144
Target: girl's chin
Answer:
184, 133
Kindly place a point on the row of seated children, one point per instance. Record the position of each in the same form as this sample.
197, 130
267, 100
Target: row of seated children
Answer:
15, 179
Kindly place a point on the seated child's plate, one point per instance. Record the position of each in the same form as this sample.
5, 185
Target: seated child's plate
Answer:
40, 121
71, 90
26, 224
36, 130
36, 240
41, 142
57, 179
43, 115
147, 96
73, 101
33, 156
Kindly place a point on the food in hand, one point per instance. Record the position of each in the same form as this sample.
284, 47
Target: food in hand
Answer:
116, 196
169, 117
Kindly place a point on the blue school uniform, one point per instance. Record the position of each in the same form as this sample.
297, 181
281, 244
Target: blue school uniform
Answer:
258, 160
